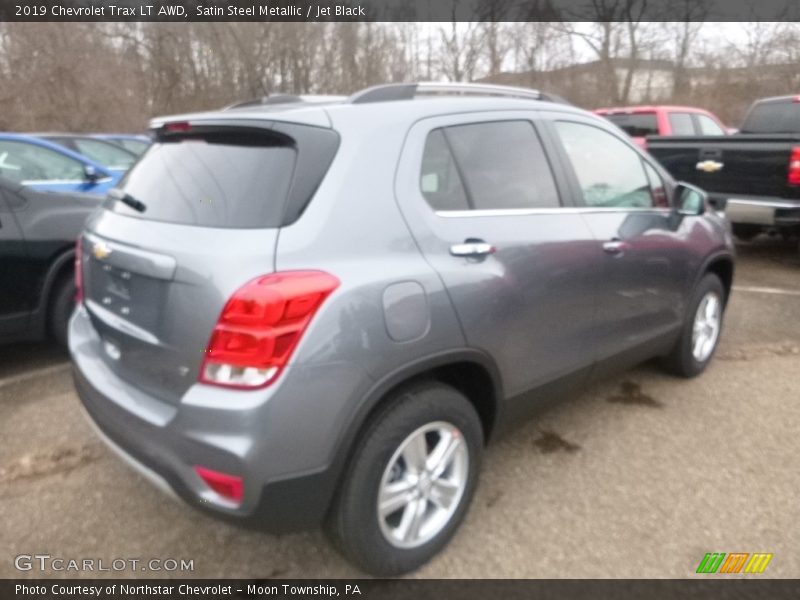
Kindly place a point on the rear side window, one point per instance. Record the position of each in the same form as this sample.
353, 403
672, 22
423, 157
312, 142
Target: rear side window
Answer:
636, 125
681, 124
487, 166
773, 117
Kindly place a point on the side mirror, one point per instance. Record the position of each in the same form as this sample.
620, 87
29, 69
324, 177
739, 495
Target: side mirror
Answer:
91, 174
689, 200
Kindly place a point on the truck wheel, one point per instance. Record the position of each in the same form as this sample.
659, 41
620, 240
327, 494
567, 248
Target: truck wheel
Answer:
62, 303
410, 481
701, 330
746, 232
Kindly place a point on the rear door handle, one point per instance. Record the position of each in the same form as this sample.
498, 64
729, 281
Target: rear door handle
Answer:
615, 247
472, 248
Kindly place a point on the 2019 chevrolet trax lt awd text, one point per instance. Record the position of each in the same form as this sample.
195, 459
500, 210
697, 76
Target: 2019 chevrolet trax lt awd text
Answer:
295, 313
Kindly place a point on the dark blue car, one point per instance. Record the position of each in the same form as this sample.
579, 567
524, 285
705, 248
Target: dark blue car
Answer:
45, 166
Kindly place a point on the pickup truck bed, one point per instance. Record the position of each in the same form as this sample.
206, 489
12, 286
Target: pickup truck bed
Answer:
754, 177
744, 174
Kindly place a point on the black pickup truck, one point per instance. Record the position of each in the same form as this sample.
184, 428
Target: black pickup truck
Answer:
753, 175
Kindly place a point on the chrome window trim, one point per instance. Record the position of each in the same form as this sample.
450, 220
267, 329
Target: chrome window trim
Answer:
522, 212
61, 181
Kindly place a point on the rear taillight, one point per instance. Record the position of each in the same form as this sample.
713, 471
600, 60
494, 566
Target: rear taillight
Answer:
227, 486
177, 127
78, 270
260, 327
794, 166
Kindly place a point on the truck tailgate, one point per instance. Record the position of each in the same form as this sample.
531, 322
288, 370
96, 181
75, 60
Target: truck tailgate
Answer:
749, 165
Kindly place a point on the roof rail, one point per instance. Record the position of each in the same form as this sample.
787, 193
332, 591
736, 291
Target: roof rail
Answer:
409, 91
266, 100
277, 99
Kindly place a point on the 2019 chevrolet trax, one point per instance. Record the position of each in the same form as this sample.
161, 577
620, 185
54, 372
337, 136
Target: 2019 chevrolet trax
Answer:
294, 313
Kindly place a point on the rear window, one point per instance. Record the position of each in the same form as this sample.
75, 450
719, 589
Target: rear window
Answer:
636, 125
773, 117
219, 179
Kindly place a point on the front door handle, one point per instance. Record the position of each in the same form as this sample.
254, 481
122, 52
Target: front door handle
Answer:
615, 247
472, 249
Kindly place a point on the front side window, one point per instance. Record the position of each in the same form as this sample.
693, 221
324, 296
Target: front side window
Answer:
498, 165
609, 172
27, 163
681, 124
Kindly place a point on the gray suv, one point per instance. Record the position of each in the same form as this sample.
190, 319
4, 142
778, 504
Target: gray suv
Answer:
295, 313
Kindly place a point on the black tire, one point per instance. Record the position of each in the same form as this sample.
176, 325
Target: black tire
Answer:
354, 523
746, 232
62, 303
681, 361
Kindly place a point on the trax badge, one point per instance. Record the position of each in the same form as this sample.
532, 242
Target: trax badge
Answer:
709, 166
101, 250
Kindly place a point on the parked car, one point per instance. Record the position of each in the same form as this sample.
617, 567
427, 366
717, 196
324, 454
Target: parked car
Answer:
132, 143
37, 242
45, 166
108, 154
641, 121
322, 313
753, 175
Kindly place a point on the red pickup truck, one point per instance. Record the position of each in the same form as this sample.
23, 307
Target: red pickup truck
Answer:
641, 121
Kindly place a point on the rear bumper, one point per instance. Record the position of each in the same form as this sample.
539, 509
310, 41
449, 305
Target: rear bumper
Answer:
292, 504
164, 442
768, 212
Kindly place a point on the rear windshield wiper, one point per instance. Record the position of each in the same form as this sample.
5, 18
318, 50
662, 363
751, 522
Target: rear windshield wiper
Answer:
126, 198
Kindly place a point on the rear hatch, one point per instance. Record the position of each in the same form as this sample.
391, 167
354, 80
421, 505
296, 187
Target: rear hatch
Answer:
214, 197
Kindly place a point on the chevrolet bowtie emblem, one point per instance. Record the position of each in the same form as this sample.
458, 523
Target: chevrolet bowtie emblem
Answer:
709, 166
101, 250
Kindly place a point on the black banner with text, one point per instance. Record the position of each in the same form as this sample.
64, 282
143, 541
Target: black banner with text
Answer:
416, 589
399, 10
